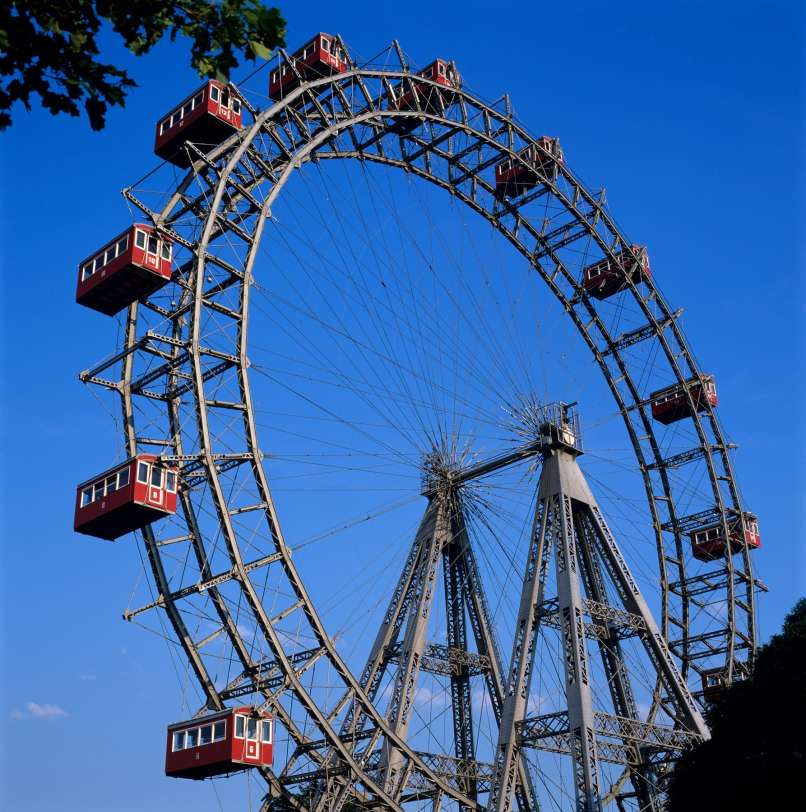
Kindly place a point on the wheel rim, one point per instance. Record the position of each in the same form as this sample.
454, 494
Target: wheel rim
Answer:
265, 156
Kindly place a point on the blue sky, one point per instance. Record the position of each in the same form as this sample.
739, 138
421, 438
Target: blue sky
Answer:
691, 115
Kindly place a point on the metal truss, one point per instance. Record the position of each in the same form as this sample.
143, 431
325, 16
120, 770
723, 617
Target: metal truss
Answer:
627, 742
401, 645
570, 529
182, 374
446, 660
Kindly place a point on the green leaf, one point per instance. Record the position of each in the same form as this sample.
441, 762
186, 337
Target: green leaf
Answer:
49, 50
260, 50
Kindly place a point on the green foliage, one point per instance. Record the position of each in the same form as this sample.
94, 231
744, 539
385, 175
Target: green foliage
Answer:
48, 48
756, 758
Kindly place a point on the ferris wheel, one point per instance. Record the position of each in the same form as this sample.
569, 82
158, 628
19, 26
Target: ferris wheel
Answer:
405, 569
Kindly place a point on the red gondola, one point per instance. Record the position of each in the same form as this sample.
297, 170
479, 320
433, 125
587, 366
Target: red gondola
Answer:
413, 95
708, 543
322, 56
606, 277
206, 117
671, 404
134, 265
229, 741
536, 164
126, 497
712, 683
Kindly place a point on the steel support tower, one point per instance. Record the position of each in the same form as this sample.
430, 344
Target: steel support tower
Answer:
597, 599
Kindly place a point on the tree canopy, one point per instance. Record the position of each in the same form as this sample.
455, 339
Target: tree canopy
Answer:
49, 48
756, 757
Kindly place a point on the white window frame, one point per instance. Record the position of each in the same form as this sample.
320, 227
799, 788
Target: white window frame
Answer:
174, 748
270, 725
240, 717
140, 238
161, 481
215, 93
86, 496
140, 464
188, 732
123, 478
224, 734
250, 720
171, 481
201, 728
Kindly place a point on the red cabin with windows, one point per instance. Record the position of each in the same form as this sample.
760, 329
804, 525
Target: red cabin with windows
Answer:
134, 265
418, 95
712, 683
322, 56
536, 163
207, 117
126, 497
671, 404
708, 543
606, 277
225, 742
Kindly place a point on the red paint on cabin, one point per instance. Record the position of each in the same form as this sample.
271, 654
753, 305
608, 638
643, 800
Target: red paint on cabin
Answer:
606, 277
534, 164
708, 543
206, 117
229, 741
322, 56
712, 683
132, 266
671, 404
415, 95
125, 498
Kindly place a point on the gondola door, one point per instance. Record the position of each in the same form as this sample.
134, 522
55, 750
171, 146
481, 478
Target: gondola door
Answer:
156, 492
251, 749
152, 252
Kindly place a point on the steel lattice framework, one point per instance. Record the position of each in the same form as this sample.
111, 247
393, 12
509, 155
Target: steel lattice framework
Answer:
184, 385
